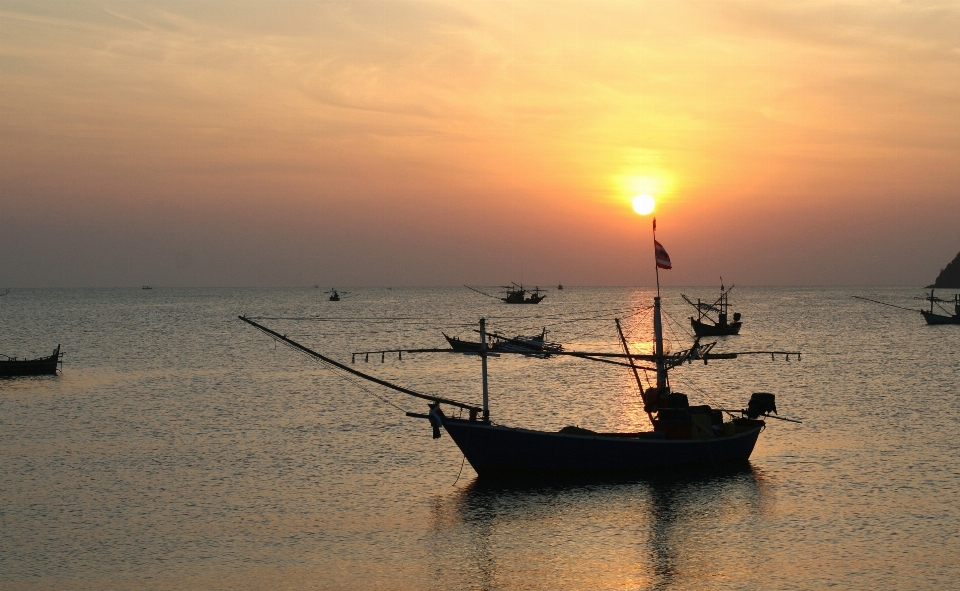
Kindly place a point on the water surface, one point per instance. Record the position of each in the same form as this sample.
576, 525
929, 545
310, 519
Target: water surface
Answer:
182, 449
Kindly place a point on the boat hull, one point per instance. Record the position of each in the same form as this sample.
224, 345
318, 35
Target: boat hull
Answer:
932, 318
31, 367
702, 329
496, 450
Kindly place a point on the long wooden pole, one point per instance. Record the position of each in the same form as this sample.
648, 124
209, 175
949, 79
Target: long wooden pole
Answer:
359, 374
636, 374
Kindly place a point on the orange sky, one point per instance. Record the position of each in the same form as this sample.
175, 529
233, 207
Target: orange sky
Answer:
439, 143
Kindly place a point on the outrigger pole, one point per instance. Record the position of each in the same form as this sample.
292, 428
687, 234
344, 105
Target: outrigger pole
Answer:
295, 345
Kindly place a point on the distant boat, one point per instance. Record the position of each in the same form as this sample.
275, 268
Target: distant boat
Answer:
704, 325
935, 317
147, 287
940, 315
12, 366
533, 345
560, 286
517, 294
334, 296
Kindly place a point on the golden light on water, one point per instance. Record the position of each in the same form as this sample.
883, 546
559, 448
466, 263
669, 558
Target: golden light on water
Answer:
644, 204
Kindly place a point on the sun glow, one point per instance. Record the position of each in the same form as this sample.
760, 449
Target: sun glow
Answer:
643, 204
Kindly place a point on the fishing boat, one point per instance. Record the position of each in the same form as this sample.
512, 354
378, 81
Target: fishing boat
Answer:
531, 345
681, 434
705, 325
517, 294
941, 315
936, 315
334, 295
13, 366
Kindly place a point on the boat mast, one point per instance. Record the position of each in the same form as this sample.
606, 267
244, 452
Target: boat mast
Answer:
657, 324
483, 363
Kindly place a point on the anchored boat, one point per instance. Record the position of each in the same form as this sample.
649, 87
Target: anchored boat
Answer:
13, 366
515, 293
532, 345
705, 325
681, 433
935, 315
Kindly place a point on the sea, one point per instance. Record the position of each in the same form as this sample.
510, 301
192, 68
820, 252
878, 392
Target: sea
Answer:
181, 448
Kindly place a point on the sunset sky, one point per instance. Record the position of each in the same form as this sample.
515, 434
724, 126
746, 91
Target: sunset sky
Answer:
241, 143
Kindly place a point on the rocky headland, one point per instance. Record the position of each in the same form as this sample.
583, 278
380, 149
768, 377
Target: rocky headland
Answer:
949, 277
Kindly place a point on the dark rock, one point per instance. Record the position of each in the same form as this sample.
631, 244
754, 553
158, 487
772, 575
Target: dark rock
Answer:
950, 276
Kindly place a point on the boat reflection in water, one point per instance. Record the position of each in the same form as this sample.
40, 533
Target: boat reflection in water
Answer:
655, 532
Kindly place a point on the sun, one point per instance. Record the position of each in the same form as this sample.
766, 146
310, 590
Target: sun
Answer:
643, 204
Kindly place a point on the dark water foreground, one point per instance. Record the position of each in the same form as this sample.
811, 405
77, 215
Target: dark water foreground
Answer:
181, 449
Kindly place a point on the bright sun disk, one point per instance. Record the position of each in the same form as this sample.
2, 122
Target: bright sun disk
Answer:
643, 204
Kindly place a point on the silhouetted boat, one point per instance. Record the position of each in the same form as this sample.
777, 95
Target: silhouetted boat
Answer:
940, 315
517, 294
334, 296
935, 316
560, 287
534, 345
12, 366
682, 434
704, 325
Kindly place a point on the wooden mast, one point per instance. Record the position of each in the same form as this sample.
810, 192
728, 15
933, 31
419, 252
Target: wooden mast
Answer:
657, 324
483, 363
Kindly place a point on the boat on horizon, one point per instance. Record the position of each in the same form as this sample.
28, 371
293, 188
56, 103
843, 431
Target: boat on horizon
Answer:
935, 315
705, 325
682, 434
517, 294
13, 366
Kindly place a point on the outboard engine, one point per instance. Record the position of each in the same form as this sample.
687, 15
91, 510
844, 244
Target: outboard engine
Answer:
761, 403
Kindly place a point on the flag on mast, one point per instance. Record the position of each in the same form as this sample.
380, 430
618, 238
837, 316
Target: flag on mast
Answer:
663, 259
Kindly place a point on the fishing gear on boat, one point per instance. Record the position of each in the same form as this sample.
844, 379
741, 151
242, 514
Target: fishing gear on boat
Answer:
311, 353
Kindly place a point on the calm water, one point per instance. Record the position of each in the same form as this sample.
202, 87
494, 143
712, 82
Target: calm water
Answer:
182, 449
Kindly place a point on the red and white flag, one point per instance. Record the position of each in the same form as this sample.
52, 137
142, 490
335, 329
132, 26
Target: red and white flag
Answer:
663, 259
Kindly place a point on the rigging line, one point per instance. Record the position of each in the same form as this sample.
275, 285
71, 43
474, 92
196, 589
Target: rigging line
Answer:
619, 312
611, 311
356, 382
460, 472
700, 392
346, 377
295, 345
378, 319
682, 327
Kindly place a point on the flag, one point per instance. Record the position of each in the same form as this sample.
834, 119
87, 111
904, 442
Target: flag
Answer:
663, 259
